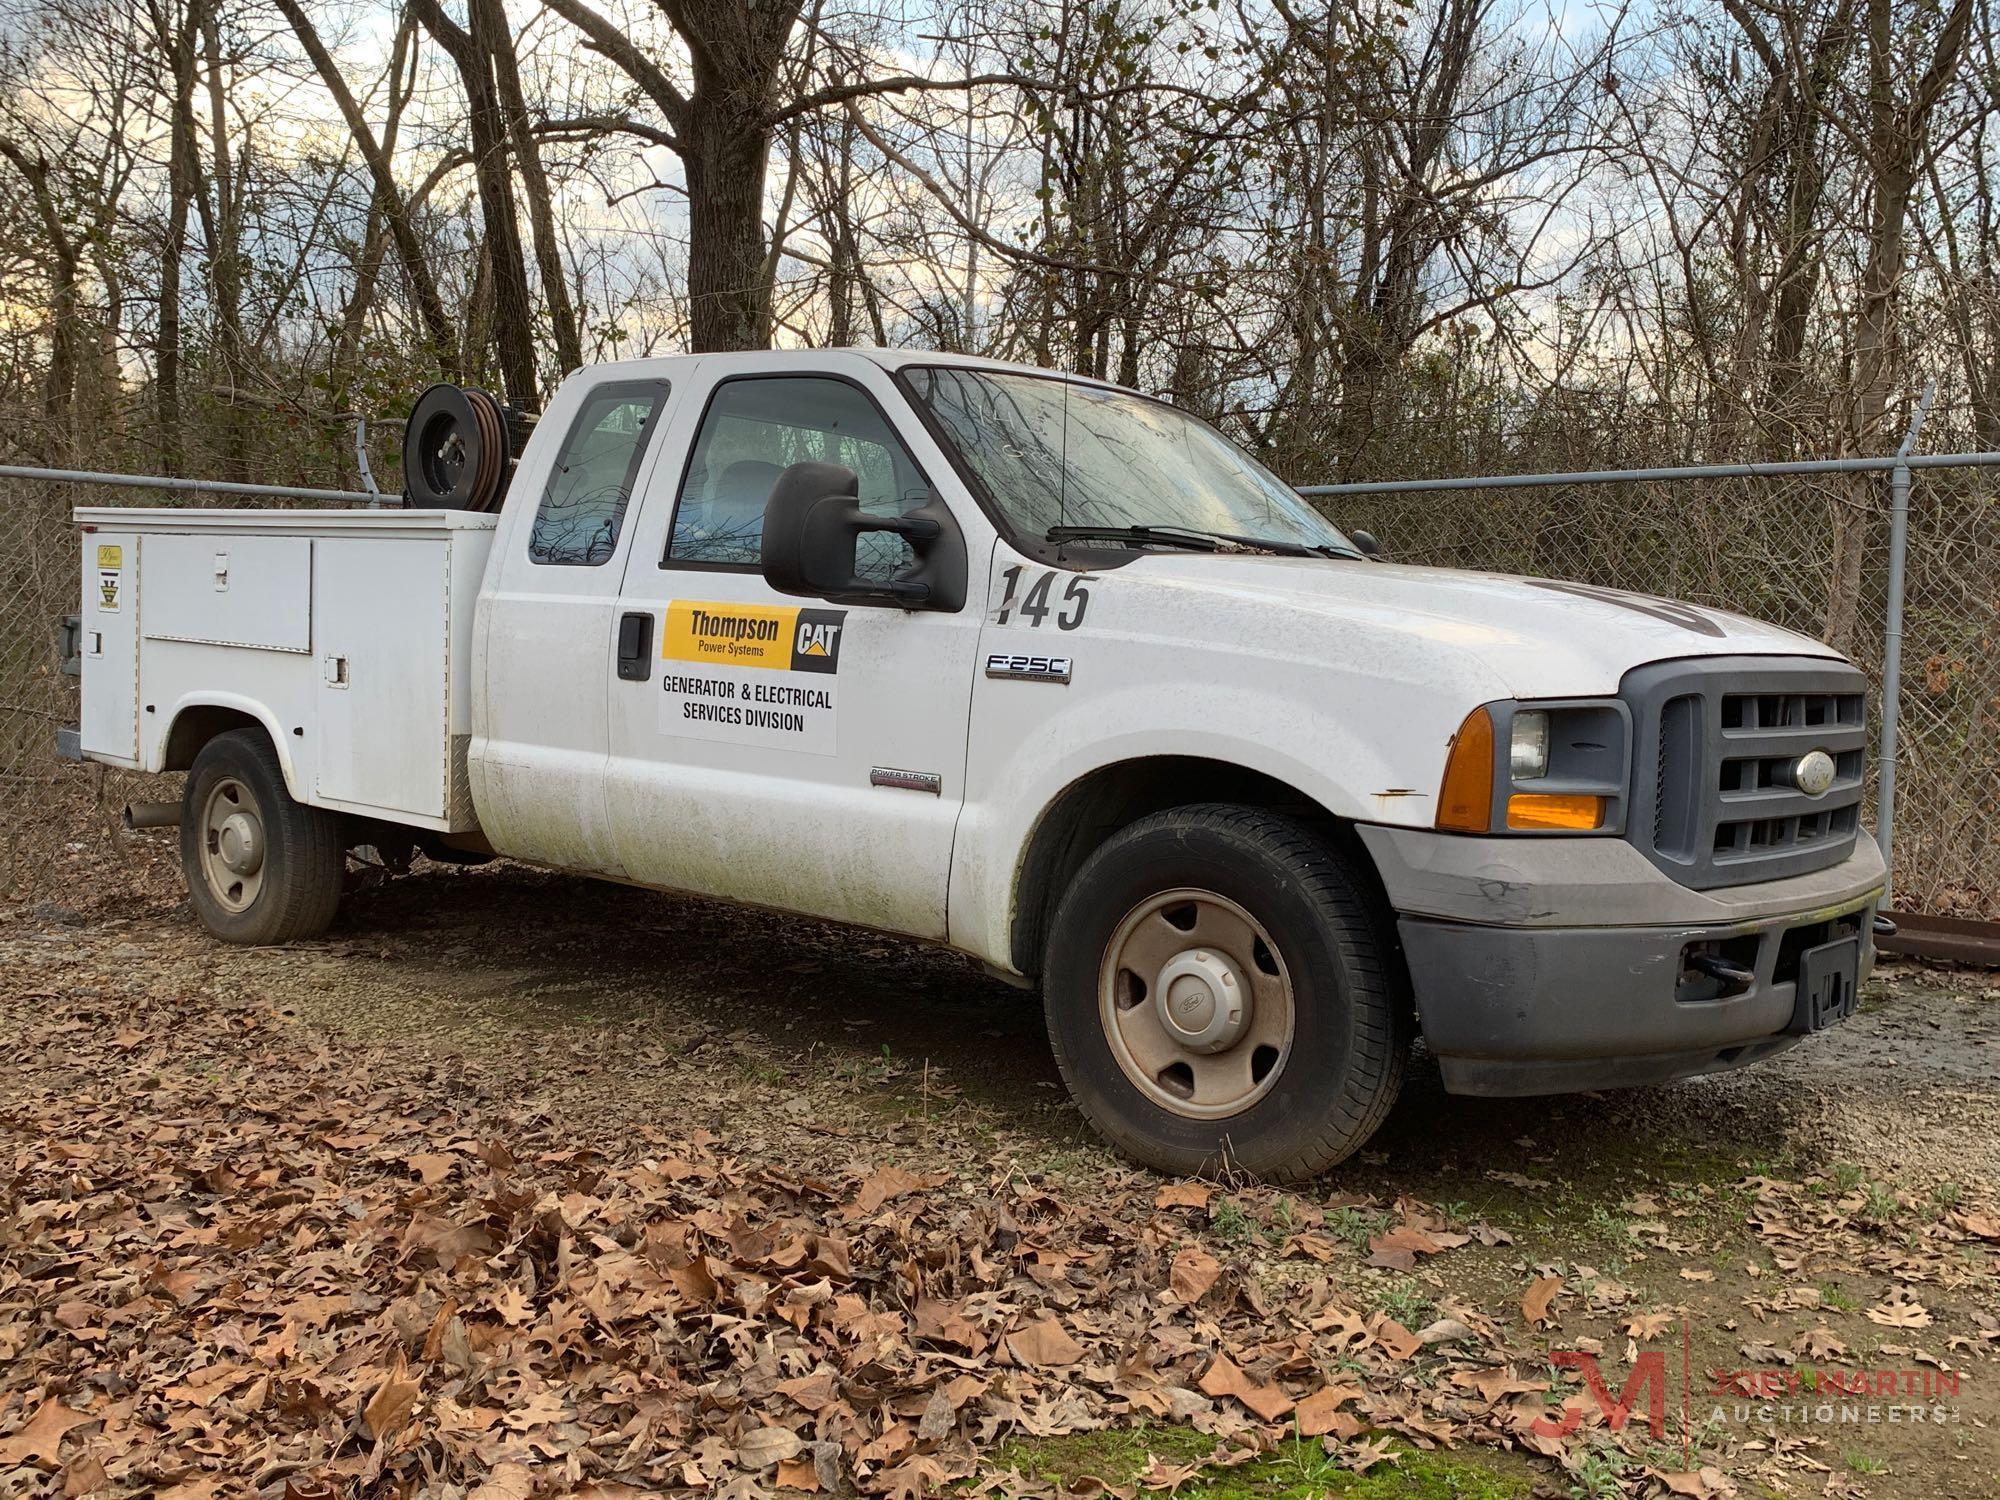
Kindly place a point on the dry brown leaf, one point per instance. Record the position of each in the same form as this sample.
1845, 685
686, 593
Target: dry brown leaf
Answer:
1900, 1315
881, 1186
762, 1447
392, 1402
1697, 1484
1985, 1226
1194, 1272
86, 1476
1648, 1326
798, 1474
1225, 1379
1320, 1413
1535, 1301
508, 1481
1184, 1195
1045, 1343
41, 1439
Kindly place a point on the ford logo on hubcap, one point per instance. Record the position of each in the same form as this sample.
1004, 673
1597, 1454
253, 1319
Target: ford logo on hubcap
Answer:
1812, 773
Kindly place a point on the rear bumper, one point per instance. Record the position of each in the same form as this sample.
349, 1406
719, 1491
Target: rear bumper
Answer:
1569, 969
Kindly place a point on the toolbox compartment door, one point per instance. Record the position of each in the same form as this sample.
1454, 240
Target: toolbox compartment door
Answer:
108, 641
382, 642
220, 589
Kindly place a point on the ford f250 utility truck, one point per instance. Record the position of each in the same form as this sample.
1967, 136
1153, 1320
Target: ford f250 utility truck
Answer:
1038, 668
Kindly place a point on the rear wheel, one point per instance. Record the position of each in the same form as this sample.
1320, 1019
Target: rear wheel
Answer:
261, 867
1220, 992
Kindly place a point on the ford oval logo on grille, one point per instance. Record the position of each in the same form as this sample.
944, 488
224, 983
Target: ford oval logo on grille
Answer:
1812, 773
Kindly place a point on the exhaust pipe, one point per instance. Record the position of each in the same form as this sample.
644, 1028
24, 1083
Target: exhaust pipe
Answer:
152, 815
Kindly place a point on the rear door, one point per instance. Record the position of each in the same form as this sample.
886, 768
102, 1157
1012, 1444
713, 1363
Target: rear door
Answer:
547, 623
778, 750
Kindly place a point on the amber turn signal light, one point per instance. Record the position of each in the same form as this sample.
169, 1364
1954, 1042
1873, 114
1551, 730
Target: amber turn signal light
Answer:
1465, 801
1554, 810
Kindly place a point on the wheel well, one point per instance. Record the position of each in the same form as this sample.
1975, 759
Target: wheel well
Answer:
195, 726
1096, 806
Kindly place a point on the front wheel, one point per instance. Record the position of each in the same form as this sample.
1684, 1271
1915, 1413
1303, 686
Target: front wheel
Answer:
1220, 993
260, 867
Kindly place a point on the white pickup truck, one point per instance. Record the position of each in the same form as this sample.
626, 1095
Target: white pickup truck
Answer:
1046, 671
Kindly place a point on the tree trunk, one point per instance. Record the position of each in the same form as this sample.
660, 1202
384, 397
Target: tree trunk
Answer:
59, 384
225, 254
513, 310
729, 295
1898, 152
423, 287
491, 17
176, 41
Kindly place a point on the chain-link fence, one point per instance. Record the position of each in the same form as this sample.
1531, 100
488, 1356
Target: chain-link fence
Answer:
1798, 550
62, 835
1809, 551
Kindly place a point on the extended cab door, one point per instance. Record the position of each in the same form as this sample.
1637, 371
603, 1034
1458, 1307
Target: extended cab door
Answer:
779, 750
547, 621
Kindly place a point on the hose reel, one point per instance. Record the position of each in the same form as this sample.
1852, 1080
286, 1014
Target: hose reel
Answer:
459, 449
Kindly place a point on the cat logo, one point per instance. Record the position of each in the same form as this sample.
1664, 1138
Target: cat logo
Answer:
816, 640
778, 638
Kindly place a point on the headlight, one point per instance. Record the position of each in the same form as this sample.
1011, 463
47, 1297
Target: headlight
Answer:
1528, 751
1566, 769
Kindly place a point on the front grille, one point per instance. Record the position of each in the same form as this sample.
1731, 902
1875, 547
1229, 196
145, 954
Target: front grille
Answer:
1719, 738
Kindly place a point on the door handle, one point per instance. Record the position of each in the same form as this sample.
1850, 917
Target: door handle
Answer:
635, 646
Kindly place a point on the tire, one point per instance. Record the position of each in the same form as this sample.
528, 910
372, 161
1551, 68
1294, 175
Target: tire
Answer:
273, 878
1316, 946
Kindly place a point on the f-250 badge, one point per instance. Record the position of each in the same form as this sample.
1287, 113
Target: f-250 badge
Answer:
1022, 667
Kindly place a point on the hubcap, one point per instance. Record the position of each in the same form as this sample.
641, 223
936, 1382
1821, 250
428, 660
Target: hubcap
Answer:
1196, 1003
232, 844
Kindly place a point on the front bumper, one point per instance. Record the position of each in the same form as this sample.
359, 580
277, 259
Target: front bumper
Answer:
1550, 965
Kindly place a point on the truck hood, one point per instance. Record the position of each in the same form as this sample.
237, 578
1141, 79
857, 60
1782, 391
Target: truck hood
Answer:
1541, 637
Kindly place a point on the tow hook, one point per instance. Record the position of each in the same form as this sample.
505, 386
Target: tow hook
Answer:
1727, 972
1883, 926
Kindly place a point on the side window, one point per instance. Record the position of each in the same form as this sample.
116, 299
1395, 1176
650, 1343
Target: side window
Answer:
754, 430
576, 524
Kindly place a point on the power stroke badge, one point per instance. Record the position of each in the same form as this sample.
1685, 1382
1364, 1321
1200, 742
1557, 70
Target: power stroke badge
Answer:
752, 674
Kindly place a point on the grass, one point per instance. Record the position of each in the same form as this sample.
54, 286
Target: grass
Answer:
1297, 1470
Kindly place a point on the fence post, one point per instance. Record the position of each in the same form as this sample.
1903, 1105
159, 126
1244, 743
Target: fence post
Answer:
1892, 644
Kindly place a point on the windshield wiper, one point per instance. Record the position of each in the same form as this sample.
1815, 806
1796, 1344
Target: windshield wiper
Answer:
1193, 539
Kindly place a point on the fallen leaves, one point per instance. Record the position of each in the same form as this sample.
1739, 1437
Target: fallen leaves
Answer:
1044, 1343
394, 1399
353, 1276
1900, 1315
1535, 1302
1193, 1273
41, 1439
1225, 1379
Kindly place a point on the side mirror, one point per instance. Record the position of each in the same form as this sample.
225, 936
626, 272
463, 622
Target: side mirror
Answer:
812, 522
1365, 540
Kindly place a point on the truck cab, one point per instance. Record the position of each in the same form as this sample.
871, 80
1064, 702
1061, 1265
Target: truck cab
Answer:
1049, 672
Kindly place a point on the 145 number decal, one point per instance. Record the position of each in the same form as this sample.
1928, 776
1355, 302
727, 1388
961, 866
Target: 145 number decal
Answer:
1034, 606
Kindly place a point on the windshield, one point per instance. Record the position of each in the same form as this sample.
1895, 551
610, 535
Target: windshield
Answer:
1052, 453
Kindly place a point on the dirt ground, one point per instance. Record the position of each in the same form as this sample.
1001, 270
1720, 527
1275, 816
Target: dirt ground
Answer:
1817, 1232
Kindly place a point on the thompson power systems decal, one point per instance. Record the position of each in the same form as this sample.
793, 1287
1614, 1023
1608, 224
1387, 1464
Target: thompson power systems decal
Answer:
752, 674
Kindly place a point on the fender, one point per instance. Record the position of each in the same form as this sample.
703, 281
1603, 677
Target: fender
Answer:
155, 754
1327, 760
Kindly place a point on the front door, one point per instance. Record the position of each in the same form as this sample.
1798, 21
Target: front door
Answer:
539, 723
778, 750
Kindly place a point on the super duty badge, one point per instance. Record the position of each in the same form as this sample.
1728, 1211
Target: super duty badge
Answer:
1022, 667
